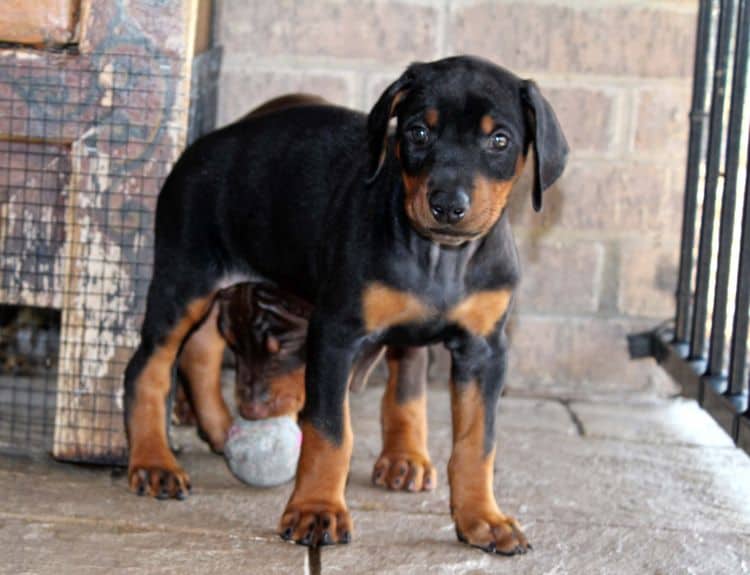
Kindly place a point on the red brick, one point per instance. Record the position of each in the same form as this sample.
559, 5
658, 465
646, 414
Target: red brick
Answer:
571, 356
377, 31
648, 279
240, 91
662, 122
600, 196
612, 39
376, 85
643, 199
510, 34
579, 355
559, 276
585, 114
586, 117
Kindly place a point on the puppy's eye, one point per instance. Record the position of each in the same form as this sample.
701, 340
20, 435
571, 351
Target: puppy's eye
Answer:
419, 135
499, 141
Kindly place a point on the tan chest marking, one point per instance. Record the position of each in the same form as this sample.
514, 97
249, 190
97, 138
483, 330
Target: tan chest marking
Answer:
479, 312
383, 307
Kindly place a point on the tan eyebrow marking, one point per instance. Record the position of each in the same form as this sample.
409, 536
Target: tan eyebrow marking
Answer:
431, 117
487, 124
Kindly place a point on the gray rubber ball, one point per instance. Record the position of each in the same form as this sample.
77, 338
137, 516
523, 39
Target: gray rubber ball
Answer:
264, 452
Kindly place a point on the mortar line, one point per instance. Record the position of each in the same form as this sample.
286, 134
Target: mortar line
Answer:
580, 429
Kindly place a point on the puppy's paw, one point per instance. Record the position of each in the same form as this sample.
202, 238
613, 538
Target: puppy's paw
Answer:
409, 471
491, 532
162, 482
316, 524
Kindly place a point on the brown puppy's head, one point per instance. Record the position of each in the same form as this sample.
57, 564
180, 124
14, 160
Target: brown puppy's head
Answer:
266, 328
463, 133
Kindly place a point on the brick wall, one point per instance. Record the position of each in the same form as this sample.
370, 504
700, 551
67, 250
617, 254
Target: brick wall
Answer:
600, 261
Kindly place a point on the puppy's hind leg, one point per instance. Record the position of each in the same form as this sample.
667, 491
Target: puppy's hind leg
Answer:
404, 462
173, 308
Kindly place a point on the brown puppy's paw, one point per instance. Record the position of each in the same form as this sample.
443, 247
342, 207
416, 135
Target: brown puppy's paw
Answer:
401, 470
316, 524
216, 440
159, 481
494, 533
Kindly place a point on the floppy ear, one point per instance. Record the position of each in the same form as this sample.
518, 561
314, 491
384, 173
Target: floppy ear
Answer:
236, 312
377, 122
547, 138
224, 321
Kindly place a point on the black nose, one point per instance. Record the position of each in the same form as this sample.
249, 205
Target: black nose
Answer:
449, 207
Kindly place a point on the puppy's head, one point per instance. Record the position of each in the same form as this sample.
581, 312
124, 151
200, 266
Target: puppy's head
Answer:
463, 132
266, 328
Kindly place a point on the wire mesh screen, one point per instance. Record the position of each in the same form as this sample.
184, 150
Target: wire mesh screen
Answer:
29, 343
85, 143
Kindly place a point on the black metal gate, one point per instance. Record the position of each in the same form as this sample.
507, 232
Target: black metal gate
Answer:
706, 349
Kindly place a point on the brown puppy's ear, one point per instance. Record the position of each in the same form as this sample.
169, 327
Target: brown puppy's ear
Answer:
224, 321
380, 115
547, 138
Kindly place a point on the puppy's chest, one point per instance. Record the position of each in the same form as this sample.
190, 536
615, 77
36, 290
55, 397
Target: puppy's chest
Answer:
385, 306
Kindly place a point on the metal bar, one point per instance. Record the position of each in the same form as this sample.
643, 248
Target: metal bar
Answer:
743, 432
723, 409
681, 351
738, 354
713, 165
715, 367
696, 150
726, 410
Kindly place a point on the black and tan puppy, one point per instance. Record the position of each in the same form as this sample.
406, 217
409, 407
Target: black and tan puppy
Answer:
398, 241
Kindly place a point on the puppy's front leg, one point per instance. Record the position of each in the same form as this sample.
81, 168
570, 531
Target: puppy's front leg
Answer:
316, 513
477, 378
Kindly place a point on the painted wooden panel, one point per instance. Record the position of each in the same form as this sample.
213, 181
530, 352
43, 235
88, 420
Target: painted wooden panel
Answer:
38, 22
86, 138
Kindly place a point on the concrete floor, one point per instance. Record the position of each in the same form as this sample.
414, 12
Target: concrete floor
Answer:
620, 486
